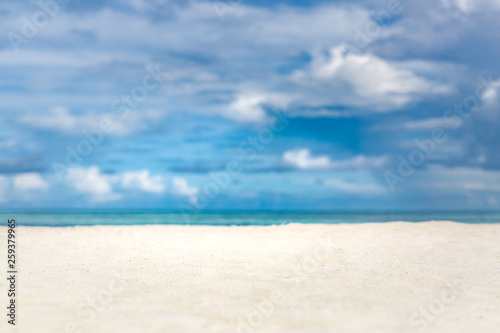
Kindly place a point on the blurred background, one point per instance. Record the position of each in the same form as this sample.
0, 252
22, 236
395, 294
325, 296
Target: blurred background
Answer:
250, 105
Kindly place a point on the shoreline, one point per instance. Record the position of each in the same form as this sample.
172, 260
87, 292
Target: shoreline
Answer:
66, 226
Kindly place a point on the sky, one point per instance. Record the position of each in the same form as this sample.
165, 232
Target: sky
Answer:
275, 105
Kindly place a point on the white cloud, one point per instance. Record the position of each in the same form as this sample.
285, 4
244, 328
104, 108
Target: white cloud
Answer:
367, 79
490, 94
98, 187
465, 6
302, 159
427, 124
29, 182
58, 118
90, 181
21, 186
490, 102
181, 187
197, 25
244, 52
469, 6
247, 107
101, 187
144, 181
66, 58
62, 120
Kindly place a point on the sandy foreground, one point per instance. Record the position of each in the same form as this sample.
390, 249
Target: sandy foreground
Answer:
393, 277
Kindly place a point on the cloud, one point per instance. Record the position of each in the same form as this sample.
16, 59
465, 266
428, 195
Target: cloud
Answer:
91, 182
463, 5
367, 79
98, 187
60, 119
22, 187
181, 187
103, 187
182, 25
419, 63
143, 181
232, 69
68, 59
302, 159
490, 96
427, 124
220, 62
470, 6
248, 107
29, 182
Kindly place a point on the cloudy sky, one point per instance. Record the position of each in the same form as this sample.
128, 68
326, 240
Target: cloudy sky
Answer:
250, 104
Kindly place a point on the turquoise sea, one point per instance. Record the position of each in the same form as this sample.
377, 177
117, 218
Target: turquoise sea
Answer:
73, 218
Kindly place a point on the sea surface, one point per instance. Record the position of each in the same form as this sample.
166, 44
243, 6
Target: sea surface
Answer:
74, 218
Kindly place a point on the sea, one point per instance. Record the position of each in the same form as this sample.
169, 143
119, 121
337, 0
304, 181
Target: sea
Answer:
239, 218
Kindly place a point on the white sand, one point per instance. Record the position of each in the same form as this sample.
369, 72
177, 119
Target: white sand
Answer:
395, 277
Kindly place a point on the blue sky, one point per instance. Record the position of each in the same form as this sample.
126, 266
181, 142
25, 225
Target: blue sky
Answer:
320, 105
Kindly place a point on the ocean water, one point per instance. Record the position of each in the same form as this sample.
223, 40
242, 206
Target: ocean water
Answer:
74, 218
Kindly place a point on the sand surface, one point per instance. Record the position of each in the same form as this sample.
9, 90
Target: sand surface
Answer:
394, 277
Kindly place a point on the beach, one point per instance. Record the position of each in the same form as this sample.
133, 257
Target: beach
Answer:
372, 277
